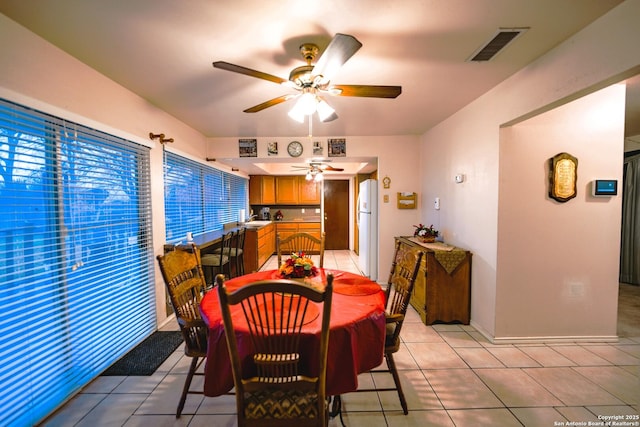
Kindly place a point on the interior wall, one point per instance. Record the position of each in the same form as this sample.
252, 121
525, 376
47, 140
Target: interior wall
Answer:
558, 262
37, 74
397, 159
468, 142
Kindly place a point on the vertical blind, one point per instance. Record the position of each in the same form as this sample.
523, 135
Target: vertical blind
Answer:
199, 198
76, 270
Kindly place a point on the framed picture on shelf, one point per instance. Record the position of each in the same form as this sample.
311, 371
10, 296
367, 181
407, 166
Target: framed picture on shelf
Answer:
317, 148
337, 147
272, 149
248, 147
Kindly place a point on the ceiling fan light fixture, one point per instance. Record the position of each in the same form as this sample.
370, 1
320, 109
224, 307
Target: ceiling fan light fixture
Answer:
296, 115
324, 110
307, 104
309, 177
318, 177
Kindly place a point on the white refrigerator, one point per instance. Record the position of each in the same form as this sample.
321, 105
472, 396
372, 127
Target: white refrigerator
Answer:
368, 228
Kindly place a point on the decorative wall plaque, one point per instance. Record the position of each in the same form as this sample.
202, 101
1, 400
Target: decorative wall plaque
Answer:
563, 177
248, 147
272, 148
337, 147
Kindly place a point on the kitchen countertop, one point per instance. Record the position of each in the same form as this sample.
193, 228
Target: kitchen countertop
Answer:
297, 221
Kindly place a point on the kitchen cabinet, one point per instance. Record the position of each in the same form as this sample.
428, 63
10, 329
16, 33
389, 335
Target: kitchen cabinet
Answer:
286, 229
442, 292
262, 190
259, 245
283, 190
309, 192
287, 190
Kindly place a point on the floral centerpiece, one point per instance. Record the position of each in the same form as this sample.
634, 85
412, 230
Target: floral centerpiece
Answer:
298, 266
425, 234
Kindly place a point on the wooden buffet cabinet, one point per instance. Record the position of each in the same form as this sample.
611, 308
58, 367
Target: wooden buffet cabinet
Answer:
442, 292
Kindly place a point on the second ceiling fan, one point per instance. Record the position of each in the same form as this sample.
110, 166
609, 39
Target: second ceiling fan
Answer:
312, 81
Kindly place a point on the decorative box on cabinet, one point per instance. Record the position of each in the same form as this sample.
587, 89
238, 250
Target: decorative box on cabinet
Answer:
442, 292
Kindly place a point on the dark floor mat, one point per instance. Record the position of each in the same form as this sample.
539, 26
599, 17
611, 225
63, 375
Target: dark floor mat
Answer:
147, 356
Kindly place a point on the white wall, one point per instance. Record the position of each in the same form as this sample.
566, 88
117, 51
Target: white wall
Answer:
397, 159
468, 142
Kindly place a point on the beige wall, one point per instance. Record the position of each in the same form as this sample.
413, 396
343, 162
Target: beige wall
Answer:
469, 142
558, 262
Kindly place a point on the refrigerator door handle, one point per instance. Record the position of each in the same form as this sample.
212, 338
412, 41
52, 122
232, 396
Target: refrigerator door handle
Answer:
358, 212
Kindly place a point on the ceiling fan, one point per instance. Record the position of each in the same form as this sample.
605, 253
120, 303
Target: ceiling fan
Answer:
312, 81
315, 170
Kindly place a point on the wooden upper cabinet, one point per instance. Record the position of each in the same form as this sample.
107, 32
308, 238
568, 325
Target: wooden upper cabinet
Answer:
287, 190
283, 190
309, 191
262, 190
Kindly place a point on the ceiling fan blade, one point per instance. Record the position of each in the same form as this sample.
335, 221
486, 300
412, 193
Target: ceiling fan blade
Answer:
341, 48
248, 72
331, 168
367, 91
269, 103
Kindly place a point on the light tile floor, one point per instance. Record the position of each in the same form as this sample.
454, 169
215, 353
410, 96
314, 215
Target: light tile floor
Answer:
452, 376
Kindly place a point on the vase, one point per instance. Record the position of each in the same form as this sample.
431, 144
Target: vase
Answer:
427, 239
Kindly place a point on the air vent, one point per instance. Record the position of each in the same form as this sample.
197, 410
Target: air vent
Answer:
502, 38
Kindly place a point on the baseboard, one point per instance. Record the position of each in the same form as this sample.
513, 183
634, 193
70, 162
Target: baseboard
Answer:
546, 339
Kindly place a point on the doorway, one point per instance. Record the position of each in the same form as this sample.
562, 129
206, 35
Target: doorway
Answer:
336, 214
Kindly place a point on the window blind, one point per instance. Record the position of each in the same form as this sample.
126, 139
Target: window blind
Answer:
199, 198
77, 258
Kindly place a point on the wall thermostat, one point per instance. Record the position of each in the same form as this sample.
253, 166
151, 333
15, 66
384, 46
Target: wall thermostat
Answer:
604, 187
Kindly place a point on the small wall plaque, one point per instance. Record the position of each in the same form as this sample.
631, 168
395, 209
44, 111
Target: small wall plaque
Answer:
563, 177
386, 182
272, 148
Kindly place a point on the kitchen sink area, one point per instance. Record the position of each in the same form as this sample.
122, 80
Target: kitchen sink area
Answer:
256, 224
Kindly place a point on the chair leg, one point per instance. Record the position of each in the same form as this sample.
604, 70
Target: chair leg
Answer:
396, 378
240, 265
187, 384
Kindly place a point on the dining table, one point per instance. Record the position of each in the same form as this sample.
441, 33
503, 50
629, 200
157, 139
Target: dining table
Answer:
356, 337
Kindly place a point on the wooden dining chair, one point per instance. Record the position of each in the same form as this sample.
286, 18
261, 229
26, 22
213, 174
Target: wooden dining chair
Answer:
184, 279
280, 372
218, 261
300, 243
404, 271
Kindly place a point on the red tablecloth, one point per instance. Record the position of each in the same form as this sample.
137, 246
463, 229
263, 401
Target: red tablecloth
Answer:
356, 340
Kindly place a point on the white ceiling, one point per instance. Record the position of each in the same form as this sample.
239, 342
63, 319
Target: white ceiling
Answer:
163, 50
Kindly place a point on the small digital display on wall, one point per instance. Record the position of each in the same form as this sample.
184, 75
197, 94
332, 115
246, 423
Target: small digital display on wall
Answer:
605, 187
